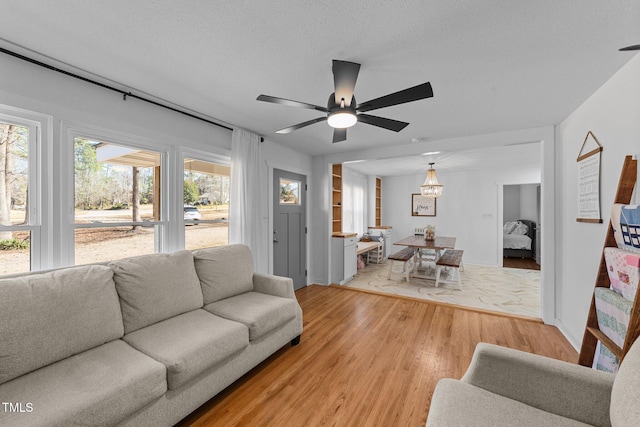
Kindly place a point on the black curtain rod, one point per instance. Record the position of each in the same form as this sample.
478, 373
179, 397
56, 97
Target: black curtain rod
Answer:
102, 85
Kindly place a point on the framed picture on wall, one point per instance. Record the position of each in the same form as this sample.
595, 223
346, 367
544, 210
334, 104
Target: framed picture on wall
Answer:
422, 206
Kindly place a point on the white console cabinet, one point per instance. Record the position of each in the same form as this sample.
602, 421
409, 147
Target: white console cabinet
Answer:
344, 262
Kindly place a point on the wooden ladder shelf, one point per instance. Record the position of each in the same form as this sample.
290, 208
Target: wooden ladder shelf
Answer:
592, 333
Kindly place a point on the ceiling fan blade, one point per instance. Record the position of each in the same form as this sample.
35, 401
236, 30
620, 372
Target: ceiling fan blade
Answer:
630, 48
381, 122
339, 135
290, 103
408, 95
345, 75
301, 125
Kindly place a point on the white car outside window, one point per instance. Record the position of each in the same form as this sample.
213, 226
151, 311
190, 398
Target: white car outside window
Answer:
191, 213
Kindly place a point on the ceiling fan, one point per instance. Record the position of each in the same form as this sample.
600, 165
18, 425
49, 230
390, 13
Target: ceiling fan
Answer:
342, 110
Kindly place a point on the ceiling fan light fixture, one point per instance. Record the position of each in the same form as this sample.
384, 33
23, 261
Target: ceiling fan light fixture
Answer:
431, 187
342, 115
342, 119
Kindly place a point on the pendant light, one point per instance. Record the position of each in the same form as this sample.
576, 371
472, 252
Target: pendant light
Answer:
431, 187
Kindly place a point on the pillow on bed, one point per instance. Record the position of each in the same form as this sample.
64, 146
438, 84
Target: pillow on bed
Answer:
509, 227
520, 228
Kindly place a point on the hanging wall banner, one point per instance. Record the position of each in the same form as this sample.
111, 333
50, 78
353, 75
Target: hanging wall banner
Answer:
589, 181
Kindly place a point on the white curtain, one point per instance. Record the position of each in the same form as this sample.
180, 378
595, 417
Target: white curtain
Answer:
245, 217
359, 208
354, 209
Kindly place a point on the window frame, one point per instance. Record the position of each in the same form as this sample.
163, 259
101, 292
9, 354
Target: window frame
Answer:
298, 191
76, 130
221, 159
51, 176
39, 203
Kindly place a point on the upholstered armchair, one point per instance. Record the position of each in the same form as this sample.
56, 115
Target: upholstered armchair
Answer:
506, 387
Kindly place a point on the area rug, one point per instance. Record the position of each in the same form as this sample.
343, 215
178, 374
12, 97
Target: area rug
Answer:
506, 290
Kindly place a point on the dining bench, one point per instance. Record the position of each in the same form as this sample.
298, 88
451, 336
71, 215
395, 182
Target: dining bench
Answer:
373, 250
452, 259
406, 257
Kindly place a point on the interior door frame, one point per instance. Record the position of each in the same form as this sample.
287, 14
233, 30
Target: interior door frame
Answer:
547, 286
271, 199
500, 217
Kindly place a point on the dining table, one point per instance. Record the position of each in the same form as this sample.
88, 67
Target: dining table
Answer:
439, 244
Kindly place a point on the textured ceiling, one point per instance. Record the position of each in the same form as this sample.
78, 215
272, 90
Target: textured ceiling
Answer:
494, 65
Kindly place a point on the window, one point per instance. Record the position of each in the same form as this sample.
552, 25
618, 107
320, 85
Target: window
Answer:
116, 201
353, 201
289, 192
206, 203
98, 194
19, 211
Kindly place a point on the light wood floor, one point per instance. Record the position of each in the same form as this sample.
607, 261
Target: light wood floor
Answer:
368, 360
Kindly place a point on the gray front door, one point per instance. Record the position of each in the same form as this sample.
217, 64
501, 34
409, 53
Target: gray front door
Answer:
289, 226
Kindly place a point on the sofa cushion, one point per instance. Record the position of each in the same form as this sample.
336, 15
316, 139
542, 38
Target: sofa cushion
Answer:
189, 343
101, 386
224, 271
261, 313
50, 316
455, 403
156, 287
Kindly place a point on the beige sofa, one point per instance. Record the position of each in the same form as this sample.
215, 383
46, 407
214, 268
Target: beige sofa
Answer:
505, 387
139, 341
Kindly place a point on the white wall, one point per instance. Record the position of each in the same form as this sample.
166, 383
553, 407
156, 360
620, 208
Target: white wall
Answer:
528, 202
613, 114
33, 88
320, 217
467, 210
520, 202
511, 205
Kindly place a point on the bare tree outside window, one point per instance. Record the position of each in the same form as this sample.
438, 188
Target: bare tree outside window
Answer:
14, 176
114, 184
15, 242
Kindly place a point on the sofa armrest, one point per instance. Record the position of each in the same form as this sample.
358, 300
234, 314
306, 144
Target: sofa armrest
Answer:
555, 386
273, 285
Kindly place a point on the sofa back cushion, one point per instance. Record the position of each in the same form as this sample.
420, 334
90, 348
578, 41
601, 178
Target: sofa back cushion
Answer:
224, 271
51, 316
156, 287
625, 394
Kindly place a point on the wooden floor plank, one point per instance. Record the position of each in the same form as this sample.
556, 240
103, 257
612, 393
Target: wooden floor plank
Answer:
368, 359
526, 263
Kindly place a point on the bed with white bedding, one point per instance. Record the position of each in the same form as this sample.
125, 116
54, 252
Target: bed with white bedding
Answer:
519, 239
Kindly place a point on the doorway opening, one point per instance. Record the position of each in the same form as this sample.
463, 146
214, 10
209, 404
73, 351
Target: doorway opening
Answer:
521, 226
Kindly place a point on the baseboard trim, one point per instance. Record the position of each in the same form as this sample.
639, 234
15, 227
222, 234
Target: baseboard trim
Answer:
575, 342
